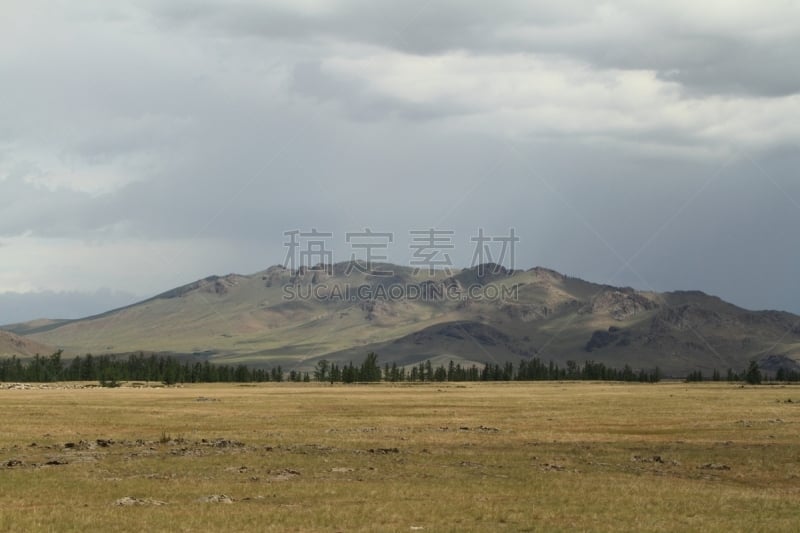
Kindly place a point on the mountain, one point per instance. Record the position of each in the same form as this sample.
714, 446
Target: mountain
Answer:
12, 344
340, 313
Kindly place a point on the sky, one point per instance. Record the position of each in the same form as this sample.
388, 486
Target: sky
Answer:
146, 144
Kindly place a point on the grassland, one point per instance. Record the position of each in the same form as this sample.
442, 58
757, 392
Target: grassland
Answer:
434, 457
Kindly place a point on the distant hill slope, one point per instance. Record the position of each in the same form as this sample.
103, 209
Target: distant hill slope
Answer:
237, 318
12, 344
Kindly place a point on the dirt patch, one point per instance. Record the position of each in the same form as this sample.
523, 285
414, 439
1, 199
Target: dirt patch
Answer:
714, 466
657, 459
383, 451
481, 428
222, 443
284, 474
130, 501
217, 498
80, 445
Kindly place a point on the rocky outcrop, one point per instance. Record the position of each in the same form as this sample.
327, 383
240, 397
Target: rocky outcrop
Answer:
621, 304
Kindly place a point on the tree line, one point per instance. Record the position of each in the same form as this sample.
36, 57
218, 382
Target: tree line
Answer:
752, 375
110, 370
526, 370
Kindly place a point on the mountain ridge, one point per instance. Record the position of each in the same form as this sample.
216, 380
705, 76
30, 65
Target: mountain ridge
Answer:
337, 313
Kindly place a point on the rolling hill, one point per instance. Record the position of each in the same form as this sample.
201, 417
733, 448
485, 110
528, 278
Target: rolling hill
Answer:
12, 344
340, 313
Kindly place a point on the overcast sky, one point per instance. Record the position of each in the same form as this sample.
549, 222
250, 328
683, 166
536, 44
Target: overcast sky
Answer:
145, 144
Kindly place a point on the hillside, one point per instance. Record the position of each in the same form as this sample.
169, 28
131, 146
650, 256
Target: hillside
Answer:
12, 344
239, 318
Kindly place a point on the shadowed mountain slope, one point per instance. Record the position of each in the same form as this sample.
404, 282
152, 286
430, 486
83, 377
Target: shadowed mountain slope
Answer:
488, 314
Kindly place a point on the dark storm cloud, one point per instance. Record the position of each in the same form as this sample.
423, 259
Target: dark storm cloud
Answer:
185, 137
762, 71
748, 55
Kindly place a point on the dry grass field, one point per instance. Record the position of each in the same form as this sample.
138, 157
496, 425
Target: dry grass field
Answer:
433, 457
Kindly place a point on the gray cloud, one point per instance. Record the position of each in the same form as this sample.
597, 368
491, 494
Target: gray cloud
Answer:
744, 49
146, 144
359, 102
16, 307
